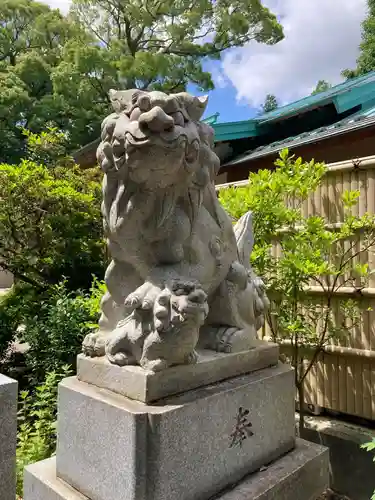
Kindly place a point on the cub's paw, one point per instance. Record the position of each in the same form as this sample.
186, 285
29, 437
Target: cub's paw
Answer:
180, 301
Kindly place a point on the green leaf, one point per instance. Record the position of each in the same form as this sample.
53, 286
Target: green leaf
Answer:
350, 198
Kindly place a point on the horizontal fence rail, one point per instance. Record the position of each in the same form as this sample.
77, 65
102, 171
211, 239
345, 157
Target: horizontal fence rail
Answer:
367, 162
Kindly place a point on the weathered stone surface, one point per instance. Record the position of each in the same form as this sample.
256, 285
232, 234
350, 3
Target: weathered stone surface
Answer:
187, 447
148, 386
8, 437
301, 474
102, 438
180, 273
41, 483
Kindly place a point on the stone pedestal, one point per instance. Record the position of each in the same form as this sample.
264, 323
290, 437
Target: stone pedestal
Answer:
301, 474
108, 445
136, 383
8, 429
186, 446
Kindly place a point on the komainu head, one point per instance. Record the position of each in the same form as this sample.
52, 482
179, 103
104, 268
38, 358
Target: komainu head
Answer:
155, 139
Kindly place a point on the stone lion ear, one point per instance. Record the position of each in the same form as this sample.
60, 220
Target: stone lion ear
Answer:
121, 100
198, 107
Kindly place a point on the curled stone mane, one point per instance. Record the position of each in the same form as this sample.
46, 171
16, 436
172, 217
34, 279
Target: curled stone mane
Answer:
121, 190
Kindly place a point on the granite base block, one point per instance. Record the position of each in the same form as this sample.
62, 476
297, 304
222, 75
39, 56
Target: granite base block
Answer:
188, 446
8, 428
301, 474
136, 383
41, 483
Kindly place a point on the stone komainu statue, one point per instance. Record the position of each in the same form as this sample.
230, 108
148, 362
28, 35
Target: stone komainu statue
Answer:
180, 276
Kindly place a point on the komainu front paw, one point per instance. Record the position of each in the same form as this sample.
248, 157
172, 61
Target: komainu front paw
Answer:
120, 358
154, 365
143, 297
93, 344
191, 358
232, 339
224, 338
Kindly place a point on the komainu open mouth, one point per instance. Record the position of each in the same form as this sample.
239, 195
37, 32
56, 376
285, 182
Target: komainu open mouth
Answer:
166, 140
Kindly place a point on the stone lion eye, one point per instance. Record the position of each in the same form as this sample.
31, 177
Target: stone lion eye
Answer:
135, 114
178, 118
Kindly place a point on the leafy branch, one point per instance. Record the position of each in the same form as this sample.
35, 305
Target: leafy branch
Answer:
305, 264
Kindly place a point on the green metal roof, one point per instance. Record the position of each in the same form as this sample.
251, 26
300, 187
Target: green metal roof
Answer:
210, 120
345, 96
235, 130
358, 120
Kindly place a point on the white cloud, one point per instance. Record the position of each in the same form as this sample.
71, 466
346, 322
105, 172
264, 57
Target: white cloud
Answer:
63, 5
321, 39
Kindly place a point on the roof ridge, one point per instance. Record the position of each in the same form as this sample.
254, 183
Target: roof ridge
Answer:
305, 137
315, 98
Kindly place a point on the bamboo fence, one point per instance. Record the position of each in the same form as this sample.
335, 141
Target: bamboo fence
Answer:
343, 379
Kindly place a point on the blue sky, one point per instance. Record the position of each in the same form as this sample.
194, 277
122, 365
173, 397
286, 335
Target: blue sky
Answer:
321, 39
223, 101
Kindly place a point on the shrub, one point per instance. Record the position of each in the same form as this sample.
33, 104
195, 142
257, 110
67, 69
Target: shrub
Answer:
309, 256
50, 221
8, 320
370, 446
54, 327
55, 332
15, 305
37, 423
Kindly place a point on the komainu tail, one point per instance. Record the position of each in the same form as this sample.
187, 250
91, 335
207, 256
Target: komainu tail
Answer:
243, 231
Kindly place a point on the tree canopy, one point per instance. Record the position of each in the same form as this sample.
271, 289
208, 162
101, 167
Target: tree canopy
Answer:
366, 58
56, 70
269, 104
321, 86
50, 223
32, 37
